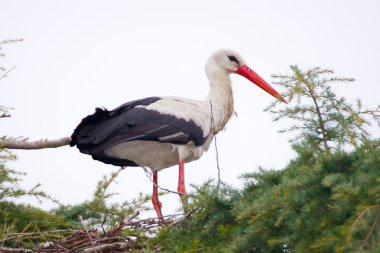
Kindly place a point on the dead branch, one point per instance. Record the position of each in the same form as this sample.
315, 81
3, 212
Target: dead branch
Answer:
4, 111
30, 235
359, 222
14, 250
109, 247
148, 174
23, 143
89, 235
10, 41
371, 233
7, 72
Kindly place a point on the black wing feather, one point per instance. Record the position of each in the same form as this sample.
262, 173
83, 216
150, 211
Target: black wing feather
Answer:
104, 128
95, 128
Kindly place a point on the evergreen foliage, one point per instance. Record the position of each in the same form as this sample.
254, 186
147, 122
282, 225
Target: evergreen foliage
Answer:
9, 181
318, 115
25, 226
99, 210
316, 204
209, 228
325, 200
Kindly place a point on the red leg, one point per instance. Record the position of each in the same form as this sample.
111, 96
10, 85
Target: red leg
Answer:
181, 181
156, 203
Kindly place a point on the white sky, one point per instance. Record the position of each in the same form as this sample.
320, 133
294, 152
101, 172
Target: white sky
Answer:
78, 55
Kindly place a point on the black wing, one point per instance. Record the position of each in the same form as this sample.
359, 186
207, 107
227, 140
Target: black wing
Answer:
104, 128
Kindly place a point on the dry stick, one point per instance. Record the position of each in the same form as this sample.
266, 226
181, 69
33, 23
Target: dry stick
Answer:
5, 115
134, 215
80, 243
216, 146
6, 73
120, 226
187, 215
62, 248
370, 233
217, 162
85, 228
15, 250
13, 236
23, 143
109, 246
170, 218
102, 226
149, 175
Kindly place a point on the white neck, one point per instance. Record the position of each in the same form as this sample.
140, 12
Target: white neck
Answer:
220, 96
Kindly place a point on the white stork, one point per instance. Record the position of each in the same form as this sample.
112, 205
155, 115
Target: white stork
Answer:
159, 132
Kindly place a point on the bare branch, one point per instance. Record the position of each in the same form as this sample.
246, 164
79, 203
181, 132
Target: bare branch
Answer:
89, 236
10, 41
30, 235
6, 73
15, 250
23, 143
360, 220
149, 176
5, 115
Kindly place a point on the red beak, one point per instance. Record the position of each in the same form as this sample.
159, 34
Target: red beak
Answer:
251, 75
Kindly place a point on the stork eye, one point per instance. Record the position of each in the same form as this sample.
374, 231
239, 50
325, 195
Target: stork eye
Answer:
233, 58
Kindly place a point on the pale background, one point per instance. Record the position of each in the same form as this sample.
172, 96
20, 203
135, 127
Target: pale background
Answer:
78, 55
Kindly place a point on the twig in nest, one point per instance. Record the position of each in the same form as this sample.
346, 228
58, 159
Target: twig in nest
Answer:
89, 236
30, 235
15, 250
102, 226
110, 247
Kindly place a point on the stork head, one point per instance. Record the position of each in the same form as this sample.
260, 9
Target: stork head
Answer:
226, 61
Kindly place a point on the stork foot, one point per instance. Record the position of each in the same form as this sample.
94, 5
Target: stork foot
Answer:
182, 194
156, 203
181, 183
157, 207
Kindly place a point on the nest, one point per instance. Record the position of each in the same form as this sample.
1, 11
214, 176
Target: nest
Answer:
98, 240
